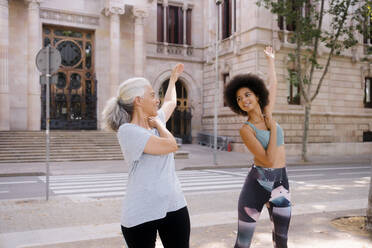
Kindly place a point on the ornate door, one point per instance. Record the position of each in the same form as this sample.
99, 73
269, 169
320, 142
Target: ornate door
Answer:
73, 99
179, 124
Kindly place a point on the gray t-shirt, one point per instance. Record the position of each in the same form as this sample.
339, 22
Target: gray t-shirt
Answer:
153, 188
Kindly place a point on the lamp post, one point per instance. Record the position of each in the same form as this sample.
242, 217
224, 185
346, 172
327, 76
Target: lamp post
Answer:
217, 87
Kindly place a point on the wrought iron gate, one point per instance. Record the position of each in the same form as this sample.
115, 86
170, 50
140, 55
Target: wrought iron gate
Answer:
179, 124
73, 99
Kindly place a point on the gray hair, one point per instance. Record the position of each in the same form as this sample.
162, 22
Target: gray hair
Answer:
119, 109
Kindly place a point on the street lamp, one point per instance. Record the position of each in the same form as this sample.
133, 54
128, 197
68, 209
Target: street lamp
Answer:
217, 88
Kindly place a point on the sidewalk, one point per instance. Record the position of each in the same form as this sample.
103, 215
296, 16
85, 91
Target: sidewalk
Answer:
65, 222
200, 157
70, 222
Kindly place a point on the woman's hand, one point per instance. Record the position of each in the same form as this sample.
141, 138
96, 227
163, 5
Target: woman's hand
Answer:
170, 98
154, 122
176, 72
269, 53
269, 121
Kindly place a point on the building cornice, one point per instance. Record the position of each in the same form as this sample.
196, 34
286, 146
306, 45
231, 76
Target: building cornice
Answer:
68, 17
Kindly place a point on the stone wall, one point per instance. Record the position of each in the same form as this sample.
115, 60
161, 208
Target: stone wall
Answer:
338, 113
17, 65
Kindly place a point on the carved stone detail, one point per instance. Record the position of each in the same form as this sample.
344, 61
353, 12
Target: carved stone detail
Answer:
116, 7
33, 1
140, 12
76, 18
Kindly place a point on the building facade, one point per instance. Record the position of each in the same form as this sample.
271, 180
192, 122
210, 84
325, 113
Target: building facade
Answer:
104, 42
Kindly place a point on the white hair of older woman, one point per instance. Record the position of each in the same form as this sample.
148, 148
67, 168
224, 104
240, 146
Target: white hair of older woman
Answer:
119, 109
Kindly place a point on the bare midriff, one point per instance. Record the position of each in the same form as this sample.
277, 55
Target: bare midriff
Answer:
279, 161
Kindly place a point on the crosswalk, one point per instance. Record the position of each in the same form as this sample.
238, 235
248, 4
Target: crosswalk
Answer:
194, 181
114, 185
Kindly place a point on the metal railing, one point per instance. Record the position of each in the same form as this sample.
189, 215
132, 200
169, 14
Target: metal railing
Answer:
206, 139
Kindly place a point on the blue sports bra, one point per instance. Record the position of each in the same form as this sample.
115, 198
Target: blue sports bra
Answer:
263, 136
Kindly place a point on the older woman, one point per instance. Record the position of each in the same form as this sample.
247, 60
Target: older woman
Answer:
154, 201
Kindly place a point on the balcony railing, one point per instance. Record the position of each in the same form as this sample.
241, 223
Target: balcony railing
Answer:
174, 49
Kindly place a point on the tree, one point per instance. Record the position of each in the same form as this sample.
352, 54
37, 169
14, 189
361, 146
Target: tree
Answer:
369, 208
367, 33
305, 19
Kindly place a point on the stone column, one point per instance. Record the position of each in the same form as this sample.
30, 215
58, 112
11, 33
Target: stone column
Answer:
165, 33
139, 41
4, 83
114, 13
233, 18
184, 9
33, 85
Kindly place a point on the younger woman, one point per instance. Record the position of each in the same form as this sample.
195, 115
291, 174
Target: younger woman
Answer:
267, 181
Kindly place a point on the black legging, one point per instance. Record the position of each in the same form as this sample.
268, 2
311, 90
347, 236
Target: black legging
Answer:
174, 231
264, 187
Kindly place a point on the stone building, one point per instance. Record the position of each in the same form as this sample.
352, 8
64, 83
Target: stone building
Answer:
104, 42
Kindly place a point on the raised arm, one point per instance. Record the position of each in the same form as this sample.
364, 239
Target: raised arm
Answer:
170, 98
270, 56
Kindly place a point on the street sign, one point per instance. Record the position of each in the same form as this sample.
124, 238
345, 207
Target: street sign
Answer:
48, 61
53, 79
54, 60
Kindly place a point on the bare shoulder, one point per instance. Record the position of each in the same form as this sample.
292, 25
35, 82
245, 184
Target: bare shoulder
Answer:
246, 130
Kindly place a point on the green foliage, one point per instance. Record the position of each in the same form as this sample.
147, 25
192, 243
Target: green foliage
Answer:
305, 18
293, 78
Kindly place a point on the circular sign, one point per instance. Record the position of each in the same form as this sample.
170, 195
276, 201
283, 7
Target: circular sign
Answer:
42, 59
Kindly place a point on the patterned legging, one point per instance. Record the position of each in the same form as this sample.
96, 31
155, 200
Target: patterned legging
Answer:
262, 186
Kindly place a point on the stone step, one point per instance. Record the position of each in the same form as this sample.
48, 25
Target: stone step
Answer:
178, 155
61, 155
69, 153
58, 160
59, 138
85, 137
15, 134
67, 158
72, 153
57, 148
72, 144
91, 151
23, 146
65, 152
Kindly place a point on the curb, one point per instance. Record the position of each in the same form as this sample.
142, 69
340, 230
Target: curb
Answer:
23, 174
288, 164
221, 166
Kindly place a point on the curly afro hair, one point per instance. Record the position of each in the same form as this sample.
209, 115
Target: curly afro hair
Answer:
250, 81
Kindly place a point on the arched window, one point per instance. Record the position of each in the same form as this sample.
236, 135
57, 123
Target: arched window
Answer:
180, 122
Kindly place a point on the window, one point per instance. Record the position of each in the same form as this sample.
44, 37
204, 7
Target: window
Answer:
188, 27
228, 24
160, 23
290, 23
368, 93
293, 89
367, 34
174, 27
226, 79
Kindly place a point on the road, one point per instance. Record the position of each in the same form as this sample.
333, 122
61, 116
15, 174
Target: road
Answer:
192, 181
84, 210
